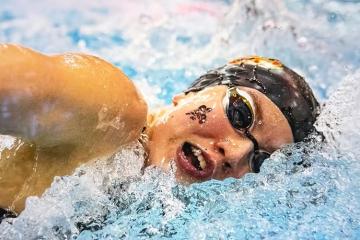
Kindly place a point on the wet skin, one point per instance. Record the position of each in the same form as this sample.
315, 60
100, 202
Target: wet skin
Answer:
226, 151
64, 110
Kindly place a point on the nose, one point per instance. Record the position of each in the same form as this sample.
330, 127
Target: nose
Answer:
233, 156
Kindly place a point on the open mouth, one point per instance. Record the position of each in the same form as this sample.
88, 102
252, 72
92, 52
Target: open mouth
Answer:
194, 161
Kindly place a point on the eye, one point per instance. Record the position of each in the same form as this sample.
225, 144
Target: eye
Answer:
239, 110
257, 160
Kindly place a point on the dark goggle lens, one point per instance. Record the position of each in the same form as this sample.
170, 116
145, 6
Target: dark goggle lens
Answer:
257, 160
239, 111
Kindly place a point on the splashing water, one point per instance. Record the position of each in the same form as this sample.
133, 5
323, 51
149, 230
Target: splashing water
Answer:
306, 190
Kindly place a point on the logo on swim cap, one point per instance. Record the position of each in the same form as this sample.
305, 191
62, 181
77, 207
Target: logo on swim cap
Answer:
267, 63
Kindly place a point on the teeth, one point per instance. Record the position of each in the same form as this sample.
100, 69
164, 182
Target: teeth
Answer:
202, 162
197, 152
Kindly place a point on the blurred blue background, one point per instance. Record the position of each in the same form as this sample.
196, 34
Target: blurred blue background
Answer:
306, 191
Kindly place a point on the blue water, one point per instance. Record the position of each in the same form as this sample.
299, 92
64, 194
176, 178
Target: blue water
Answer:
305, 191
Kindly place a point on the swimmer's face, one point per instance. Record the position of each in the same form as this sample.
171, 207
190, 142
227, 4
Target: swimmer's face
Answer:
197, 134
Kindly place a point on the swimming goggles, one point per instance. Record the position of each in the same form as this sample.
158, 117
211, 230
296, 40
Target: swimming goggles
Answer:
241, 116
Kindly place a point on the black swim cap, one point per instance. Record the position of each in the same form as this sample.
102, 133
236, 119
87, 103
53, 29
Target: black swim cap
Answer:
288, 90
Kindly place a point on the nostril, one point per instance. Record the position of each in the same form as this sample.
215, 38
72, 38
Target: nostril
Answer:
221, 151
226, 167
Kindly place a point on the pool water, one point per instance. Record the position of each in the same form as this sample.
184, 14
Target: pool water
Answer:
305, 191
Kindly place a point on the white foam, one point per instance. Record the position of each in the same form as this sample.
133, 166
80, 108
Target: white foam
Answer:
6, 141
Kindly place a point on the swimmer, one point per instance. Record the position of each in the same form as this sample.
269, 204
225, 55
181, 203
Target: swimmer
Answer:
66, 110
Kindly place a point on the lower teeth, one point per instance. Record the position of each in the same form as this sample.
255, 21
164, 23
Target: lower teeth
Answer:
199, 156
202, 163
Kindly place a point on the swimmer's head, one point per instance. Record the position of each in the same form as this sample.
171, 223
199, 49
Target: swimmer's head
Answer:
231, 119
288, 90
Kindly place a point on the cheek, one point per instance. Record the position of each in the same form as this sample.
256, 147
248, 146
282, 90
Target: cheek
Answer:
218, 126
205, 118
214, 125
199, 114
272, 135
178, 125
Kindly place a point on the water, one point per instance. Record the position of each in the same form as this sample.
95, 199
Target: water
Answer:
305, 191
